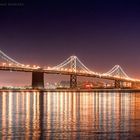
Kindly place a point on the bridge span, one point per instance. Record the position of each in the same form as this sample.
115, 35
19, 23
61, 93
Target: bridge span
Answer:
72, 67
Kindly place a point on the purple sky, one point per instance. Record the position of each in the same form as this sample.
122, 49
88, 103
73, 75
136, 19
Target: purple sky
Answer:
100, 33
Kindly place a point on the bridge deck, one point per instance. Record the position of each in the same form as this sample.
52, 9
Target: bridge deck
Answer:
22, 69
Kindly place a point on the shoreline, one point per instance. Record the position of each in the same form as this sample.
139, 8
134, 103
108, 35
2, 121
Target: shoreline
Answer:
69, 90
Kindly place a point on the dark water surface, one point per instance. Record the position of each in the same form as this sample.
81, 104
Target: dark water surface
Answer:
69, 115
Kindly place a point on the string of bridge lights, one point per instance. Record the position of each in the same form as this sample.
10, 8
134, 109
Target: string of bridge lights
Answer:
71, 64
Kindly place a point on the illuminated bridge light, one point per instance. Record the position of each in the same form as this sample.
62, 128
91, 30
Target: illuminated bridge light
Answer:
38, 67
9, 64
48, 68
4, 64
27, 66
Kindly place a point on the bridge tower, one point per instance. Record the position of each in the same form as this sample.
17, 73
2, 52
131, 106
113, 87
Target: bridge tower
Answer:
73, 77
37, 80
117, 84
73, 81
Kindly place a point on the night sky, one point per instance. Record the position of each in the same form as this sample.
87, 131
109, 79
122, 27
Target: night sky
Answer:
101, 33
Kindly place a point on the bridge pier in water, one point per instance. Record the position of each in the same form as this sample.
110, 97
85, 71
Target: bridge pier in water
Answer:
73, 81
37, 80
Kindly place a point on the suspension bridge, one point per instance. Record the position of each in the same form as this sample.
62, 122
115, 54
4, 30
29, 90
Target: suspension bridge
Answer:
72, 66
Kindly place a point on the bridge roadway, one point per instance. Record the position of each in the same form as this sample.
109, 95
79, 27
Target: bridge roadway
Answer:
40, 70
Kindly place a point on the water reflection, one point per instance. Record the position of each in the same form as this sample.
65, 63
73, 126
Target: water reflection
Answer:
66, 115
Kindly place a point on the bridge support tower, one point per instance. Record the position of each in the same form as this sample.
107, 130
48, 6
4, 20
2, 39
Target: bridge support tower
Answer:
117, 84
37, 80
73, 81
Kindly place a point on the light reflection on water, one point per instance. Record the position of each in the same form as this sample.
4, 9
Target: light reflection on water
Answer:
69, 115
